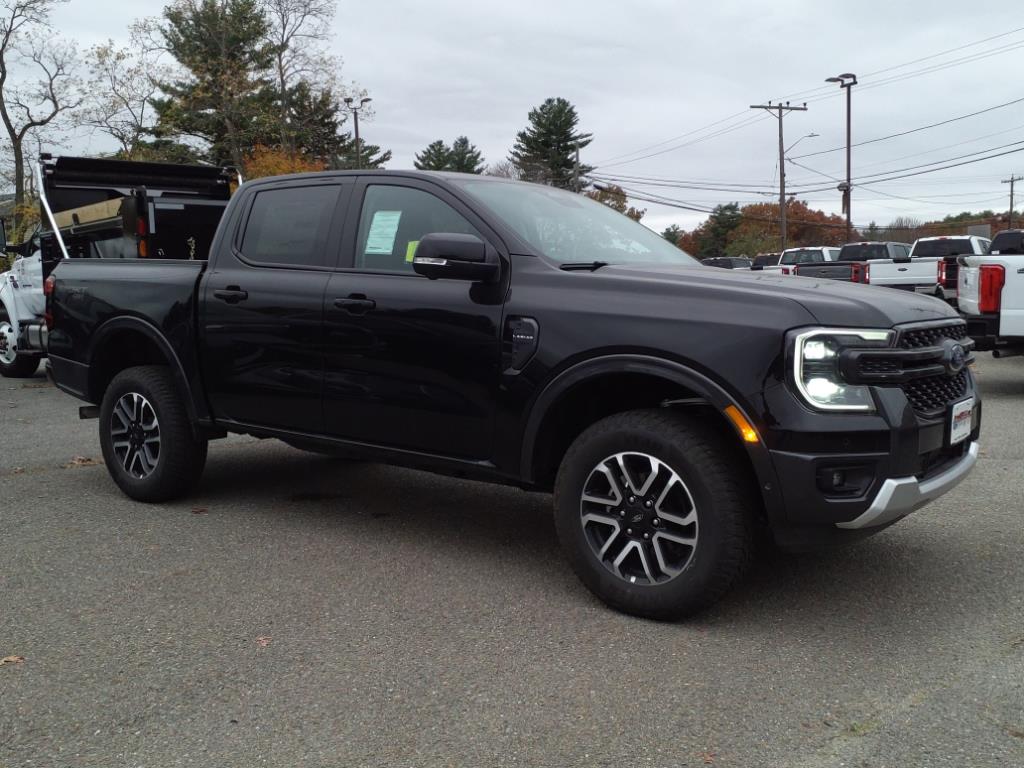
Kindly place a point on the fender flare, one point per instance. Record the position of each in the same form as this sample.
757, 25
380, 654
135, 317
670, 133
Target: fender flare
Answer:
153, 334
714, 393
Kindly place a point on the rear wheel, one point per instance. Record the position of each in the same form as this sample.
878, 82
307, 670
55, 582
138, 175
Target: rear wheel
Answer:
655, 512
13, 365
146, 437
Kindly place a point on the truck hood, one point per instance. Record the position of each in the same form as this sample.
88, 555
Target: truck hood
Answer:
830, 302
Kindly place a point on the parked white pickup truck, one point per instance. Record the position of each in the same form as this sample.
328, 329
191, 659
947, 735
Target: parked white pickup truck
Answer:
811, 254
991, 295
878, 263
946, 249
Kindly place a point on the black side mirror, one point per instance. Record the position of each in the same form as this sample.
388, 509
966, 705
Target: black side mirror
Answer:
456, 257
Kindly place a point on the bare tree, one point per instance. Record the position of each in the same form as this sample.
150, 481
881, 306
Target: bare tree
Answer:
506, 169
299, 30
123, 83
45, 67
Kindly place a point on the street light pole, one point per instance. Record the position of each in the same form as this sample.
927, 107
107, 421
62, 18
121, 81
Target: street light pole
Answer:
355, 124
846, 80
778, 110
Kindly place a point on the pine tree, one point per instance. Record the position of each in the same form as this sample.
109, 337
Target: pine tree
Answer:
465, 157
435, 157
222, 99
370, 155
545, 150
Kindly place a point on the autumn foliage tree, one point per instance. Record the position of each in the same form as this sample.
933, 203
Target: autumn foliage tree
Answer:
268, 161
615, 197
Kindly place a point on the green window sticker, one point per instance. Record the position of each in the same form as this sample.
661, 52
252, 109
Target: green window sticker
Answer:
410, 250
383, 229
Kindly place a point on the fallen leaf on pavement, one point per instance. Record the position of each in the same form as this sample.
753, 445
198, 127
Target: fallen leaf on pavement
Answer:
263, 641
82, 461
18, 471
11, 660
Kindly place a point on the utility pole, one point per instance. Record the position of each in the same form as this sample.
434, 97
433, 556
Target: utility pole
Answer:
846, 80
576, 171
355, 124
1011, 181
778, 111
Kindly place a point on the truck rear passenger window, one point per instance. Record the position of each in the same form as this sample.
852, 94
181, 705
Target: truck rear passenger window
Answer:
288, 226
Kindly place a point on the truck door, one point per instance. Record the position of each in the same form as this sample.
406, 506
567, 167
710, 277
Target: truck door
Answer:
262, 305
411, 363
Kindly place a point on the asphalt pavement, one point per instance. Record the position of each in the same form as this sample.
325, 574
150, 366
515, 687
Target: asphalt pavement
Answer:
305, 611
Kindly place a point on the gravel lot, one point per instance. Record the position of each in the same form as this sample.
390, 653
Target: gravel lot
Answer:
302, 611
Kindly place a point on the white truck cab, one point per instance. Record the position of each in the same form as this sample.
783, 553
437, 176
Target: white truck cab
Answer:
991, 295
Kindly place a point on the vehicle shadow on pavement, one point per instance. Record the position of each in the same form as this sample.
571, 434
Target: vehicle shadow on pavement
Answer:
889, 583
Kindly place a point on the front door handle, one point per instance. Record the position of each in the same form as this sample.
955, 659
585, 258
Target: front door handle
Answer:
232, 294
356, 304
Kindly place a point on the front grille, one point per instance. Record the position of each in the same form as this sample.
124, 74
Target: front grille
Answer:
870, 365
931, 337
931, 395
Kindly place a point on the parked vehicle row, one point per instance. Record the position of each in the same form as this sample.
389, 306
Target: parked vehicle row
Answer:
521, 334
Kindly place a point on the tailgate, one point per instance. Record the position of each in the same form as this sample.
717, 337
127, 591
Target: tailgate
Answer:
826, 271
967, 286
923, 272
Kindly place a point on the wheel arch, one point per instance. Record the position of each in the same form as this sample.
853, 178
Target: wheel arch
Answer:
671, 384
125, 342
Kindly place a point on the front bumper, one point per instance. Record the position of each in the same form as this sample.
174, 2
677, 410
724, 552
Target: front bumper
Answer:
898, 497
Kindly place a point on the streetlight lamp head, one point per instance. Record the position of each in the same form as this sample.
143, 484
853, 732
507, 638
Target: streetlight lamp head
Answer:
833, 80
348, 99
848, 76
365, 100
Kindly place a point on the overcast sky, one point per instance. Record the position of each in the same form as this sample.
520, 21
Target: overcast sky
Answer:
644, 72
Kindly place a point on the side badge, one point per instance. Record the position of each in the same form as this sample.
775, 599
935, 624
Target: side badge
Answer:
519, 342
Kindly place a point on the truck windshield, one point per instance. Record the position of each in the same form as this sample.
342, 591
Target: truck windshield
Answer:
570, 228
864, 252
949, 246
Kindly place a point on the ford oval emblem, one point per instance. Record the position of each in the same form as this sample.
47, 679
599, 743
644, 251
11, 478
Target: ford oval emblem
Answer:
957, 358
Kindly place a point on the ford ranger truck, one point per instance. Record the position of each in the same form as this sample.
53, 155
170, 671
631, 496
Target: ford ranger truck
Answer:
519, 334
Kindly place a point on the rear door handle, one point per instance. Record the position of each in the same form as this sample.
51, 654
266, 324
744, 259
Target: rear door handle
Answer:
232, 294
356, 304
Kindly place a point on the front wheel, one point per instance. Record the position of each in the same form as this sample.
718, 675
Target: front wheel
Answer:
146, 437
12, 364
655, 512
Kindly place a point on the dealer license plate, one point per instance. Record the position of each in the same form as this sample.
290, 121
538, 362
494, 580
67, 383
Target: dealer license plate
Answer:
960, 421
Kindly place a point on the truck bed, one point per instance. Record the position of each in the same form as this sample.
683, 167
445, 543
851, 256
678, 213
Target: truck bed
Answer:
836, 270
94, 297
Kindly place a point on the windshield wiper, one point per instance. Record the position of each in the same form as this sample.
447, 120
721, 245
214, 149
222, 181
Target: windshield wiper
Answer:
582, 266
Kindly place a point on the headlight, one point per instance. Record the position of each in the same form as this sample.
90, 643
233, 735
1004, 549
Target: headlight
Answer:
816, 367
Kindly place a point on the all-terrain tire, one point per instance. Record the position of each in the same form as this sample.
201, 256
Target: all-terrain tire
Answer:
175, 467
718, 481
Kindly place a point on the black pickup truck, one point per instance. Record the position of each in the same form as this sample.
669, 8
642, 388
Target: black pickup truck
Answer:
519, 334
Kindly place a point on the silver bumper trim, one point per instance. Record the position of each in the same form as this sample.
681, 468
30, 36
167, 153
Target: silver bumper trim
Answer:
899, 496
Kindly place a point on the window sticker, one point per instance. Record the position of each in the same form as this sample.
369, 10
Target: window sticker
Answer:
410, 250
383, 229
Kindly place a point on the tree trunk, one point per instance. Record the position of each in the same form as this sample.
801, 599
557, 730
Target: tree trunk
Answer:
19, 174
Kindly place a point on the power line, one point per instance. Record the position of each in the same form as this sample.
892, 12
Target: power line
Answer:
912, 130
822, 89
